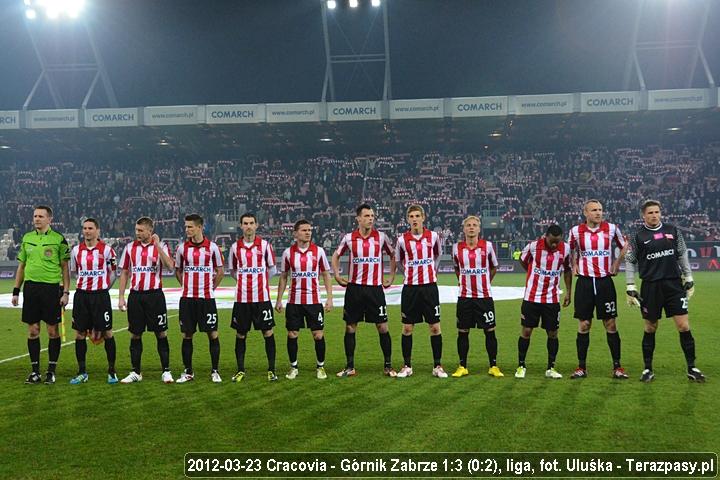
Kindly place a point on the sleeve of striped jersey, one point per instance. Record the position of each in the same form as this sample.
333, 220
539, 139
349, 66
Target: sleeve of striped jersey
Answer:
436, 247
571, 239
323, 264
285, 261
125, 258
526, 255
112, 259
73, 262
386, 245
217, 256
269, 256
566, 260
619, 239
399, 251
492, 257
179, 257
343, 247
456, 261
166, 249
232, 257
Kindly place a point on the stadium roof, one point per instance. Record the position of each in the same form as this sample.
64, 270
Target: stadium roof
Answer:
280, 140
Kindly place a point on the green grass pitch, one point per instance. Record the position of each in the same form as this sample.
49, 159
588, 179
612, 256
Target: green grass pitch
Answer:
143, 430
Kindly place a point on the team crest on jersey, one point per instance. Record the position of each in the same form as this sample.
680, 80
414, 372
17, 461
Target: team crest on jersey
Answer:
48, 252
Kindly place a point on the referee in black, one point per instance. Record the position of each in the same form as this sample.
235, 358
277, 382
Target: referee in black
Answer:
660, 253
42, 266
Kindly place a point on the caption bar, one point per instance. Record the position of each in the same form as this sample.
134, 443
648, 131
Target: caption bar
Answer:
456, 465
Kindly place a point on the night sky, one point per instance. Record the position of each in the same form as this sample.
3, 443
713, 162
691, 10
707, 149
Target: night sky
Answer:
170, 52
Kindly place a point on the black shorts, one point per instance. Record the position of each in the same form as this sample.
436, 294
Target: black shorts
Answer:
297, 316
92, 310
198, 313
364, 302
418, 302
545, 314
259, 315
668, 295
146, 310
475, 312
41, 301
596, 295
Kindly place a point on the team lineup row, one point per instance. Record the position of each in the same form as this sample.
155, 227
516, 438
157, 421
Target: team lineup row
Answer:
656, 250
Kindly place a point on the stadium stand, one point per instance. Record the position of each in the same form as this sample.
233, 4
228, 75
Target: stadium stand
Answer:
527, 190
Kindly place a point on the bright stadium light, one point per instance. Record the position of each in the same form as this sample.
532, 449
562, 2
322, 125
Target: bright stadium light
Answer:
353, 3
375, 3
331, 4
54, 9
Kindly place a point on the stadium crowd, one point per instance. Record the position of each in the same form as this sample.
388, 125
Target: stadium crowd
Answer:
526, 190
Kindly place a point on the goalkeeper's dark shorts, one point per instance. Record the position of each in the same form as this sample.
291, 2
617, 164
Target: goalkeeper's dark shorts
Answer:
668, 295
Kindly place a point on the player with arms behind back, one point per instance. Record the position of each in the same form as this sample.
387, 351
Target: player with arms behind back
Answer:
199, 269
94, 263
364, 297
253, 262
304, 262
475, 266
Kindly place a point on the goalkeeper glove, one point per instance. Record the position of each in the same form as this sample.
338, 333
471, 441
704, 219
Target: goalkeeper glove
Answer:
633, 297
689, 286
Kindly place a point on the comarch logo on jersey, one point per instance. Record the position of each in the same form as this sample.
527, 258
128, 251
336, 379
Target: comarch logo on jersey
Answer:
365, 260
546, 273
251, 270
91, 273
420, 263
664, 253
197, 269
144, 269
304, 275
473, 271
595, 253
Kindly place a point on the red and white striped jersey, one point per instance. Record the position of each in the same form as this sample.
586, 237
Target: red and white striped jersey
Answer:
198, 262
93, 266
252, 264
545, 268
366, 256
144, 264
473, 266
304, 267
418, 256
595, 247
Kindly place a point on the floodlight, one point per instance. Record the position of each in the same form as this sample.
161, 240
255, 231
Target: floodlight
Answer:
331, 4
54, 9
353, 3
375, 3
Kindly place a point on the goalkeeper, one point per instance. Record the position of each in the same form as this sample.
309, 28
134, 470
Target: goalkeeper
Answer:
659, 252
